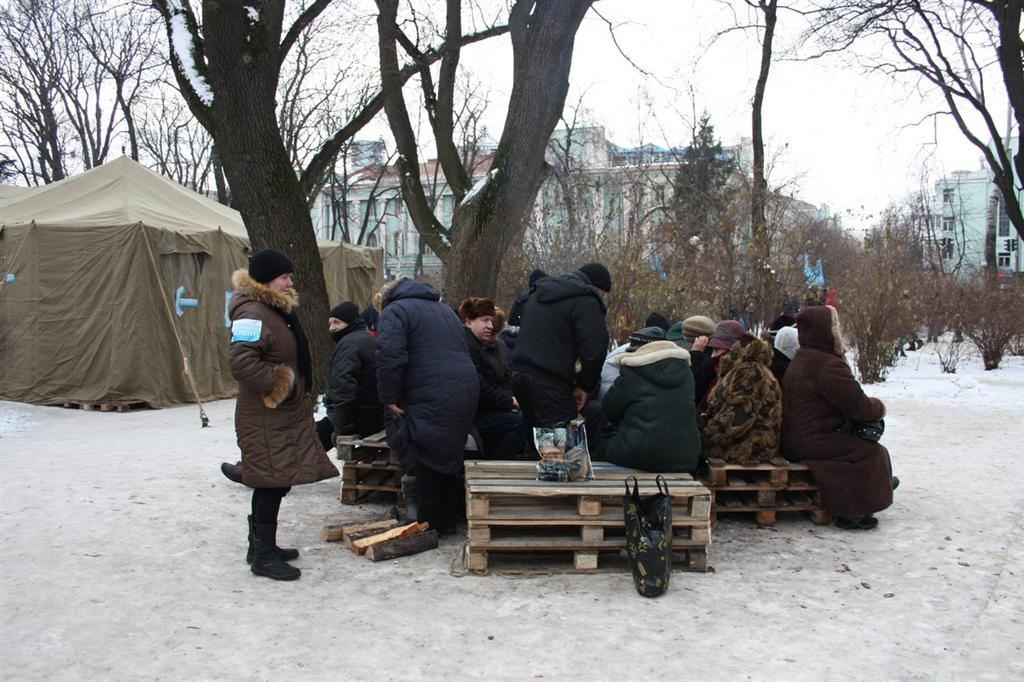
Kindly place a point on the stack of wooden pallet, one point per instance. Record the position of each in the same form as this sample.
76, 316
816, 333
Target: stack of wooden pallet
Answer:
369, 465
763, 490
383, 539
517, 524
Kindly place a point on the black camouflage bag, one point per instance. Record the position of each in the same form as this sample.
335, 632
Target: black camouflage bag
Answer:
649, 537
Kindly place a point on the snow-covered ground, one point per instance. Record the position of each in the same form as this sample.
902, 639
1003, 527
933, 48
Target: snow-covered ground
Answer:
122, 557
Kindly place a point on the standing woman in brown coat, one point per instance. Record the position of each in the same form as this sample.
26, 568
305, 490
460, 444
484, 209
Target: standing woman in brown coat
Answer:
269, 358
820, 401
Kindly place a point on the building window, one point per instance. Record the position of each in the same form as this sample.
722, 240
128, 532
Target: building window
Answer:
1010, 245
397, 239
947, 195
1002, 220
948, 224
1003, 260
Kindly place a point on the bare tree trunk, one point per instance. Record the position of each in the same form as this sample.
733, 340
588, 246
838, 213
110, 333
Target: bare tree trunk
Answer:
483, 227
760, 255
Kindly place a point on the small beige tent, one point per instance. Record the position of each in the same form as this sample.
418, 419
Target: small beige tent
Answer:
115, 282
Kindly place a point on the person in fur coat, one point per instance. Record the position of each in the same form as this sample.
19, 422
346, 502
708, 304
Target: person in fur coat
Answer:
821, 402
744, 411
269, 358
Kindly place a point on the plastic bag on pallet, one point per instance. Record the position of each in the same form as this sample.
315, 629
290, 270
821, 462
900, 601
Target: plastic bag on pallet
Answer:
564, 455
649, 537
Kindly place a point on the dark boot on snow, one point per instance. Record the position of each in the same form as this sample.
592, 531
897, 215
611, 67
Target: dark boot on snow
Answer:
265, 559
286, 554
232, 472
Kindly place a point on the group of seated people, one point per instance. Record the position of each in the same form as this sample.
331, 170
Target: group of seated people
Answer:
671, 398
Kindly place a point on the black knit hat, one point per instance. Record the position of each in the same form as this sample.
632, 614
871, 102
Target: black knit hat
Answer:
535, 275
644, 336
657, 320
267, 265
598, 276
347, 312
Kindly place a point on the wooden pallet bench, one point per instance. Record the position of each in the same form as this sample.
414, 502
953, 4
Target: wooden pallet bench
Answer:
368, 465
517, 524
764, 490
126, 406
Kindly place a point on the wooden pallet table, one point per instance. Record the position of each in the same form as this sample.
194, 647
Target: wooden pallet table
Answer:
368, 465
518, 524
764, 490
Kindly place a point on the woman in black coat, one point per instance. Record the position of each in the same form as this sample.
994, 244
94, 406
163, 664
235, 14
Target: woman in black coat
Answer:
429, 384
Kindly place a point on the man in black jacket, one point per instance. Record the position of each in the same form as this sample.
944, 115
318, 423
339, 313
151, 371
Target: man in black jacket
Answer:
562, 323
353, 407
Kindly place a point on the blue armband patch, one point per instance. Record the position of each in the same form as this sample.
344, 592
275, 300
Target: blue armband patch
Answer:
246, 331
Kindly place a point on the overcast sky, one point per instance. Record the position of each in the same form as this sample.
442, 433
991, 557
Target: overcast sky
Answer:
839, 136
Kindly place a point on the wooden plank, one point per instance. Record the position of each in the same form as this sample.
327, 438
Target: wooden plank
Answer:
526, 514
592, 533
403, 546
506, 563
360, 546
532, 542
766, 498
581, 488
765, 518
476, 560
475, 468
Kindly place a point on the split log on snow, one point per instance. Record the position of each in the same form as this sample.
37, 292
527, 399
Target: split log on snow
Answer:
360, 546
358, 531
332, 533
404, 546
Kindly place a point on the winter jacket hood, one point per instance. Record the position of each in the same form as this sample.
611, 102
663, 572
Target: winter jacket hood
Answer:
408, 288
645, 360
551, 289
818, 327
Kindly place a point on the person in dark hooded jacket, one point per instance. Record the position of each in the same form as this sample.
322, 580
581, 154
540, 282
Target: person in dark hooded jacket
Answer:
821, 400
652, 409
430, 386
351, 399
563, 323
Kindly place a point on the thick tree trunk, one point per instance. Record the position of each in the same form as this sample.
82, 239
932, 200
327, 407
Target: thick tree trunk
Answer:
484, 225
243, 64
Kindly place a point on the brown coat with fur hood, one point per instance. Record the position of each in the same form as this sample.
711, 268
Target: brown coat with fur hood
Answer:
821, 399
745, 408
273, 417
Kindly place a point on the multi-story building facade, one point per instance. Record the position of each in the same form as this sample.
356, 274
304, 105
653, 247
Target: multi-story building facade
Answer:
969, 228
609, 188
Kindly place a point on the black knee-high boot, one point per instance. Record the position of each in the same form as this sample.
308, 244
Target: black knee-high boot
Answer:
265, 559
285, 553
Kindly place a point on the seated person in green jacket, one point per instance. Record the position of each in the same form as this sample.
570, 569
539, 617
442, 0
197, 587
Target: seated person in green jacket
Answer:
651, 408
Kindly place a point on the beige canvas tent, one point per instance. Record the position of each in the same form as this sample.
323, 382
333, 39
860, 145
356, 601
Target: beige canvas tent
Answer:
114, 281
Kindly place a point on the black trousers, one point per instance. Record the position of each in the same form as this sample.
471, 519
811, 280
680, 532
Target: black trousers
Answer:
548, 402
439, 499
266, 503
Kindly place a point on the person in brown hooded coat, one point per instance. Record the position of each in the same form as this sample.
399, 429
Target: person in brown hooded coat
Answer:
744, 411
269, 358
821, 400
